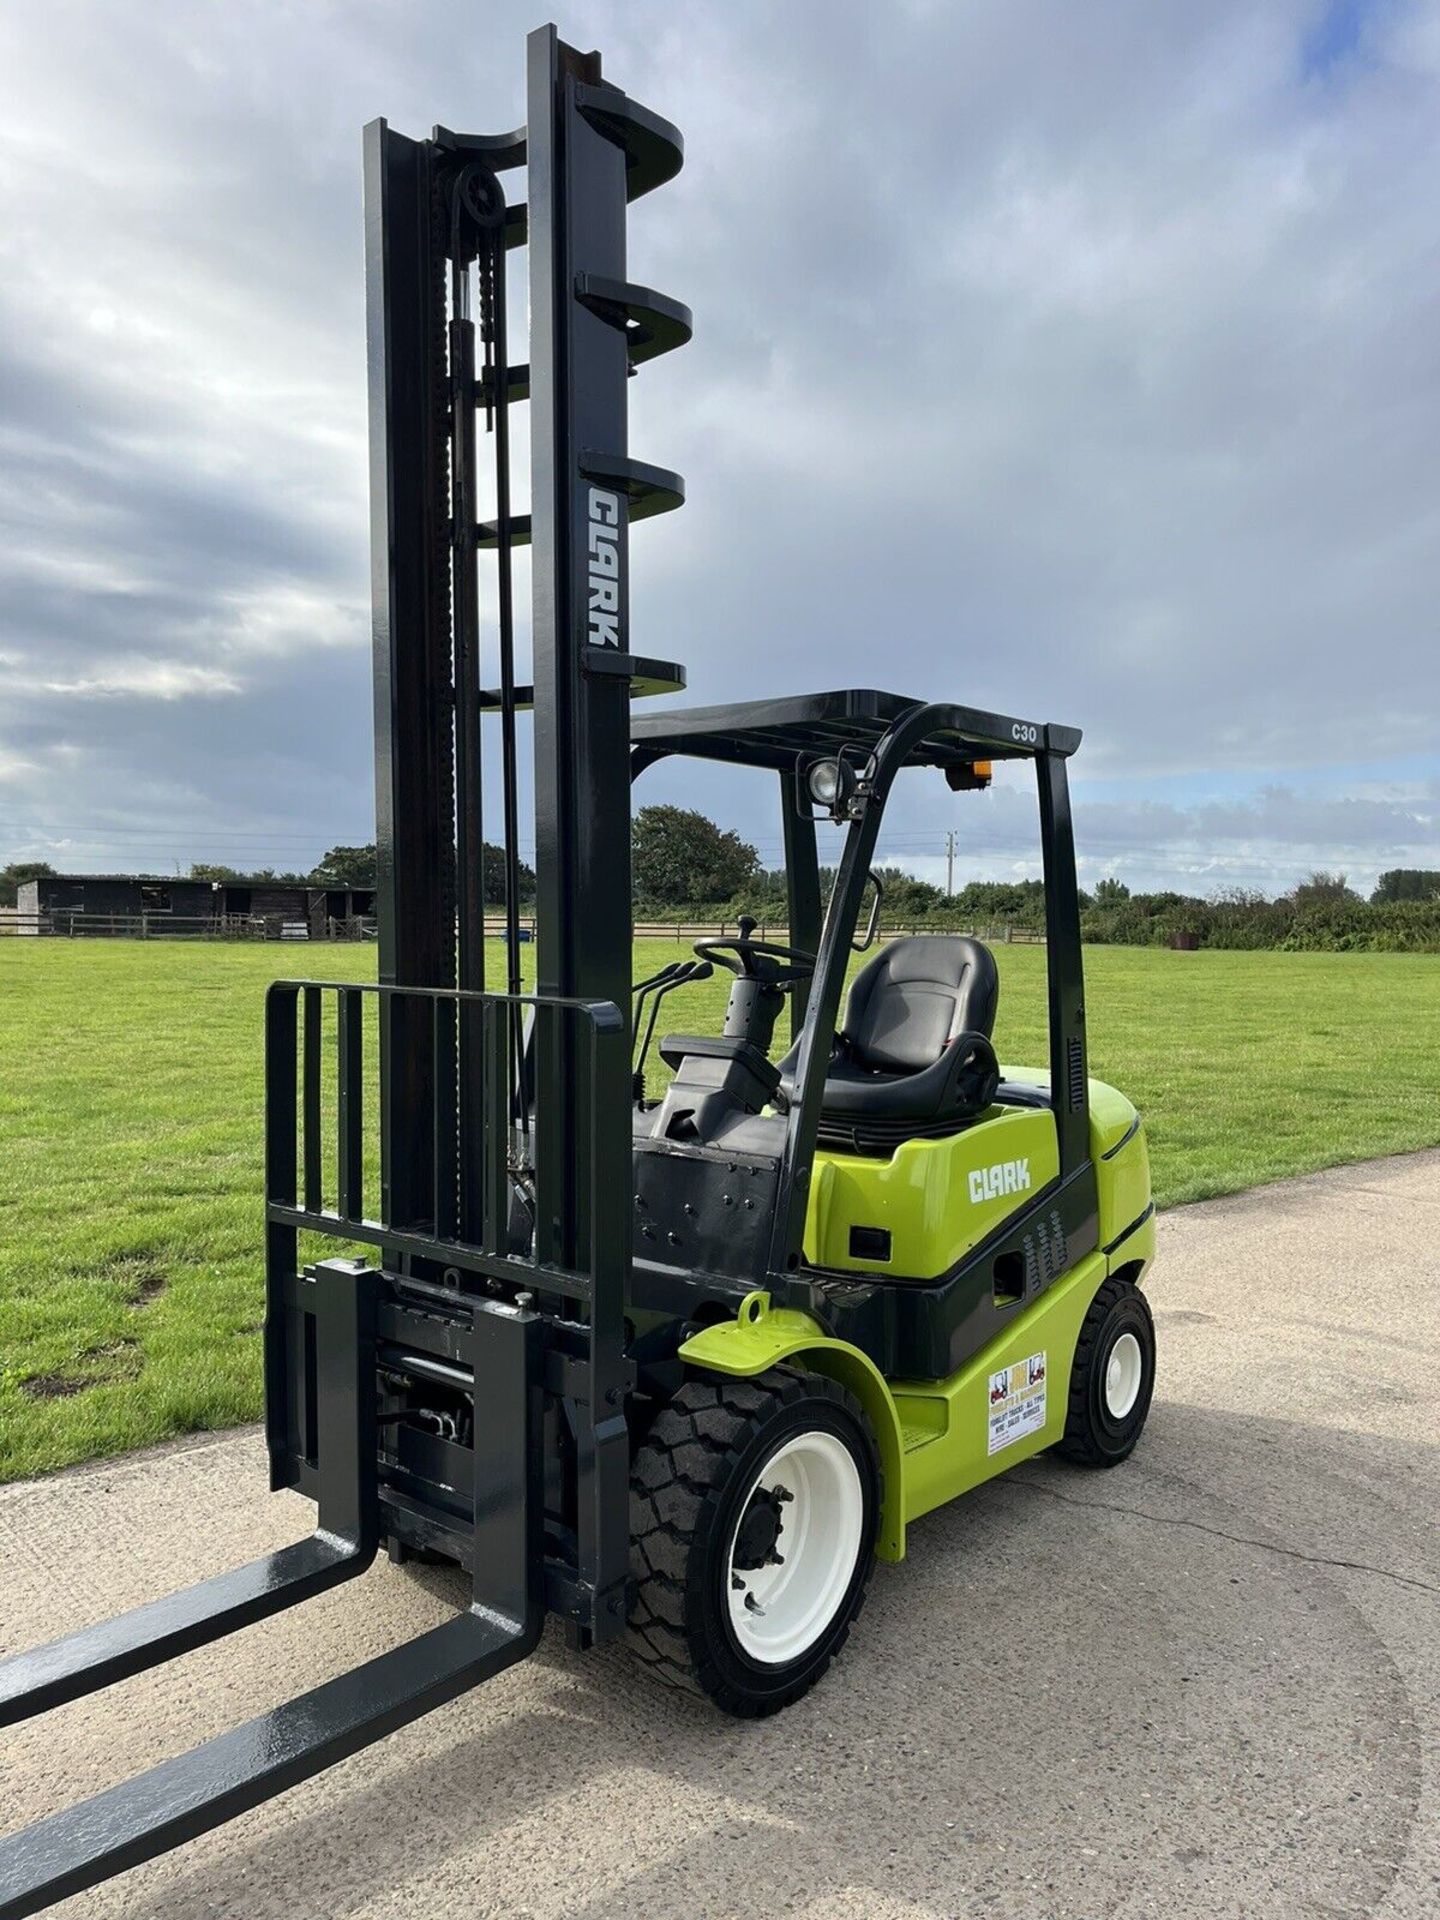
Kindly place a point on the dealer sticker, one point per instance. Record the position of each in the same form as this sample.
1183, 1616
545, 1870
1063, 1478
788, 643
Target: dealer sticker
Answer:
1017, 1402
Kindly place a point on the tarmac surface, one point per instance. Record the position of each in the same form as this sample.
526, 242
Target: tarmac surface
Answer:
1206, 1683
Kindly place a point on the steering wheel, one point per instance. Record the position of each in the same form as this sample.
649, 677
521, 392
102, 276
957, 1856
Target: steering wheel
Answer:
743, 956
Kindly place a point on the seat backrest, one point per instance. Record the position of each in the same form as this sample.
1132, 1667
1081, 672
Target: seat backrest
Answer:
915, 996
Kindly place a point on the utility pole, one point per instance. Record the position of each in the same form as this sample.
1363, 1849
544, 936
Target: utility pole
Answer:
950, 865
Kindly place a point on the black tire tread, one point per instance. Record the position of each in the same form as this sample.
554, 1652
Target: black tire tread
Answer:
679, 1474
1078, 1443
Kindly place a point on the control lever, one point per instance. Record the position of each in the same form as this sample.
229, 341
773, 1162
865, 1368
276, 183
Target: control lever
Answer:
655, 981
680, 973
645, 985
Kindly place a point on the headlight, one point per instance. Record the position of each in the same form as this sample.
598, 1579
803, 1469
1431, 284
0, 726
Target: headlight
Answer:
826, 784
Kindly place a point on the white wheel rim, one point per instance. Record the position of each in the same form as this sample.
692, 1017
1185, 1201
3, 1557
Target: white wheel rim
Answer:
777, 1612
1123, 1372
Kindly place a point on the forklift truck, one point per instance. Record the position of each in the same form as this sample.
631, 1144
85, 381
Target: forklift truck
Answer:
676, 1369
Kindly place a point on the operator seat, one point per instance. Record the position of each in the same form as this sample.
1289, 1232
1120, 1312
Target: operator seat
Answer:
912, 1057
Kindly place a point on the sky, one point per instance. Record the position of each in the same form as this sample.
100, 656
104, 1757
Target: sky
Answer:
1078, 362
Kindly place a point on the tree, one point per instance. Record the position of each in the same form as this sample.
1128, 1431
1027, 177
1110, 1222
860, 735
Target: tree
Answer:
993, 903
682, 859
1406, 883
346, 867
1324, 890
13, 877
495, 877
355, 867
1110, 892
906, 899
219, 874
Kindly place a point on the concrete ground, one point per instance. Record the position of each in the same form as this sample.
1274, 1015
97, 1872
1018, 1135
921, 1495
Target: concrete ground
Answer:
1207, 1683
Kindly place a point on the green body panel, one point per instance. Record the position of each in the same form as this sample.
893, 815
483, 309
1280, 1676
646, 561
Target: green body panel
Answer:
934, 1436
1124, 1186
760, 1337
936, 1198
1122, 1178
923, 1195
946, 1423
1118, 1149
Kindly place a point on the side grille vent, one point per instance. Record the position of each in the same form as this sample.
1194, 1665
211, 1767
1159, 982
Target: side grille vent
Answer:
1076, 1061
1046, 1253
1032, 1265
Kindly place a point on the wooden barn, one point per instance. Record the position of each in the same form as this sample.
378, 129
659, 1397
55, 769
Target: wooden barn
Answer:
102, 905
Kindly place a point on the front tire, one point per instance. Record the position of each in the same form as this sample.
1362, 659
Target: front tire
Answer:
1112, 1377
754, 1508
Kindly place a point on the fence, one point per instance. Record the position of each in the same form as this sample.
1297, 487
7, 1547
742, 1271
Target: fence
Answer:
726, 930
60, 923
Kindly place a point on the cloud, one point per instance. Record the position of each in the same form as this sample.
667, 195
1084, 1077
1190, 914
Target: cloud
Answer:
1270, 839
14, 768
146, 679
1077, 362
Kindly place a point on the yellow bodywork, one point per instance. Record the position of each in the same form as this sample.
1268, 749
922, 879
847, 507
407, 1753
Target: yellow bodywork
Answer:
935, 1437
761, 1336
939, 1198
946, 1423
922, 1197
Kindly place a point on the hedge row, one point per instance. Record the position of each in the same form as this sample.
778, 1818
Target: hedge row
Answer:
1162, 920
1353, 926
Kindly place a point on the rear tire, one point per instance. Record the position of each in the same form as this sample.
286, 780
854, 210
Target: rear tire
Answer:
753, 1512
1112, 1377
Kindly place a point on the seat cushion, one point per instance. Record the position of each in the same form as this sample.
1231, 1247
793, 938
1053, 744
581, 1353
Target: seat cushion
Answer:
914, 1054
915, 997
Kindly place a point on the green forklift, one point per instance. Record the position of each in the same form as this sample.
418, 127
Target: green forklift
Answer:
939, 1257
665, 1365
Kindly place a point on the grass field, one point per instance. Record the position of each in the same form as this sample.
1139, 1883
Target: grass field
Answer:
130, 1276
